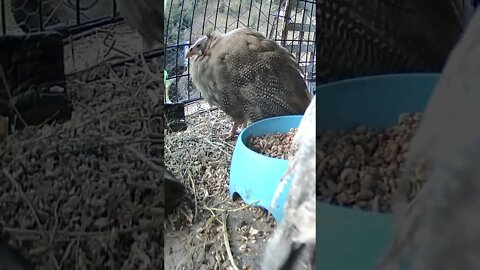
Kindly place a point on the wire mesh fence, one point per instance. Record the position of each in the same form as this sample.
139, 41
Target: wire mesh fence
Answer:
93, 30
75, 19
27, 16
95, 38
289, 22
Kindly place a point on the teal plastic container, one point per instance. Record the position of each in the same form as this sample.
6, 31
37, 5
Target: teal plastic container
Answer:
255, 177
351, 239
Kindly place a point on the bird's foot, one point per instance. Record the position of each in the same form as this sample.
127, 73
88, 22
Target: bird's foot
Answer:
232, 133
228, 136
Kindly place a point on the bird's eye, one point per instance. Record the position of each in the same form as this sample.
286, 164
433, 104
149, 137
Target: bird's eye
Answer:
198, 46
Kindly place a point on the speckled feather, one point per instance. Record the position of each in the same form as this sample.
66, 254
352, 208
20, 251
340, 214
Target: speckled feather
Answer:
249, 77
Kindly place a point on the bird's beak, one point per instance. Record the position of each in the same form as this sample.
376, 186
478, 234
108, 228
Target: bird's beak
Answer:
189, 54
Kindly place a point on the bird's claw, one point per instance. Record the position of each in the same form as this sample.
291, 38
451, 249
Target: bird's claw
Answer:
228, 136
233, 132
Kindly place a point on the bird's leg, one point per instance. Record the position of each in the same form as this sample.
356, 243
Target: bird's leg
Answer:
231, 135
244, 125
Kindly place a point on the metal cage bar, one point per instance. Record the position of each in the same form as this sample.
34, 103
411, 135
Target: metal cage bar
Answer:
4, 19
44, 18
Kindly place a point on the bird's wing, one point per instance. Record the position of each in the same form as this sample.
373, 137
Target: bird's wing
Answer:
254, 70
442, 223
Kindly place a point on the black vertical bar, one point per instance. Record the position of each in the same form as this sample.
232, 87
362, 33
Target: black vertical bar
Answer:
188, 60
312, 57
114, 8
278, 21
294, 30
167, 28
4, 21
228, 13
259, 16
78, 12
193, 16
303, 32
239, 11
249, 13
177, 47
216, 14
40, 14
314, 52
268, 17
204, 17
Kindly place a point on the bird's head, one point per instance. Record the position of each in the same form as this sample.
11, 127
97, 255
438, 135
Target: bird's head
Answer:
198, 47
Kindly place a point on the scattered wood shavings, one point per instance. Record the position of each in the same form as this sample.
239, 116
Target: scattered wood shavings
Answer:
359, 168
276, 145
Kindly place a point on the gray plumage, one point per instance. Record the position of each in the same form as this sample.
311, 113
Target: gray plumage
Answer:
440, 229
293, 243
145, 17
248, 76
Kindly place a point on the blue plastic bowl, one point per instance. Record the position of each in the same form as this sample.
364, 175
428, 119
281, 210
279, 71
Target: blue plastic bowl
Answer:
255, 177
353, 239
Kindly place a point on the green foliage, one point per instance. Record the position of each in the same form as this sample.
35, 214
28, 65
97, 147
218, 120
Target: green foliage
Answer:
253, 20
180, 22
209, 29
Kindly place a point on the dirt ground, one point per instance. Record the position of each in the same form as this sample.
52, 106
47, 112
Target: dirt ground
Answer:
248, 231
199, 233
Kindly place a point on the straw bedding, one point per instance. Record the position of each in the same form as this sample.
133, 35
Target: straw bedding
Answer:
85, 194
210, 230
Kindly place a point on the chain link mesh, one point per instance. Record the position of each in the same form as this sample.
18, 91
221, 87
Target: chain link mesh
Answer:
27, 16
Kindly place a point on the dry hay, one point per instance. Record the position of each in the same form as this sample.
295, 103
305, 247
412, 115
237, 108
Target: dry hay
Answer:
86, 194
210, 230
110, 42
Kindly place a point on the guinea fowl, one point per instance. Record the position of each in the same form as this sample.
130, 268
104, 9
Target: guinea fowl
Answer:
247, 76
293, 243
145, 17
439, 228
362, 38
